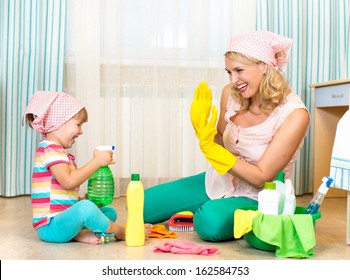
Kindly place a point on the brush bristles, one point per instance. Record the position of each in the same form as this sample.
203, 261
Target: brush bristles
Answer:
181, 228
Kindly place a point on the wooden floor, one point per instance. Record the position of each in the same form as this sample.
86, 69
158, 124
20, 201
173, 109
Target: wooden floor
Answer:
18, 241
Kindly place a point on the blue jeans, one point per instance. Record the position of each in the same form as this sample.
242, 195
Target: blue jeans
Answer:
84, 214
213, 219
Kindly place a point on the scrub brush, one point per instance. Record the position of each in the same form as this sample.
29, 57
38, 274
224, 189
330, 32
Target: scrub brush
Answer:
181, 221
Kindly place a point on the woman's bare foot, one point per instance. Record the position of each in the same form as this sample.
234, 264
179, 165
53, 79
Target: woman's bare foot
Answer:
87, 236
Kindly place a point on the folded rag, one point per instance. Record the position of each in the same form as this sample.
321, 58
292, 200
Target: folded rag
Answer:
159, 231
243, 222
293, 235
184, 246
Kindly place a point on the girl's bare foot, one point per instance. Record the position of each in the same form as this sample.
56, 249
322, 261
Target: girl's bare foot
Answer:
148, 228
119, 231
87, 236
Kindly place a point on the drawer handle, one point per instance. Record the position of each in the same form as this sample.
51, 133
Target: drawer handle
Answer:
337, 95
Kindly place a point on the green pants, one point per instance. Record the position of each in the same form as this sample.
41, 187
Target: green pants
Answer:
213, 219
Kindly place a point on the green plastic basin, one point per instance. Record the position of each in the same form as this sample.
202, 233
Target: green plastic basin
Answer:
257, 243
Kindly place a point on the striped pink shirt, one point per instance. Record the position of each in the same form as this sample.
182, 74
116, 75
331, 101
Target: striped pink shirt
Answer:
48, 197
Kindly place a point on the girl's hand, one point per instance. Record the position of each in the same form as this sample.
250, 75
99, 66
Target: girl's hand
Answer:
83, 197
104, 157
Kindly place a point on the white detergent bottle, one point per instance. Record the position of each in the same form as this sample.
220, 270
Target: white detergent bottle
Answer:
269, 199
281, 188
290, 200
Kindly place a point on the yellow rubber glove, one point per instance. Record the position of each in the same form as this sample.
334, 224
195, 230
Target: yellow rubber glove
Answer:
201, 105
220, 158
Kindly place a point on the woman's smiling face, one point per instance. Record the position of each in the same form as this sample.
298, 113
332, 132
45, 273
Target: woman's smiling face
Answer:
246, 78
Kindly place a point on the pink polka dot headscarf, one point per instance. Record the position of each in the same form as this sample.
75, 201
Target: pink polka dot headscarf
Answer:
51, 110
266, 46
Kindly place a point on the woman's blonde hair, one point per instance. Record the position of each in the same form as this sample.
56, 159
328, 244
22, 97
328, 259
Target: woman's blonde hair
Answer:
273, 88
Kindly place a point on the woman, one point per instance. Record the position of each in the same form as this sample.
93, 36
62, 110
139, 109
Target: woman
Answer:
261, 128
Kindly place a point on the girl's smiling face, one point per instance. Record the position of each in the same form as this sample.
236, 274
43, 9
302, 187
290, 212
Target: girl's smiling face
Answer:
70, 131
246, 78
67, 133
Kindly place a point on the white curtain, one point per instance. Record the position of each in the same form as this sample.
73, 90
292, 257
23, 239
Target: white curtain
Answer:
135, 65
31, 58
320, 52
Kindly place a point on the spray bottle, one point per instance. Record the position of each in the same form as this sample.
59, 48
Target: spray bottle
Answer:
281, 188
290, 200
319, 196
101, 183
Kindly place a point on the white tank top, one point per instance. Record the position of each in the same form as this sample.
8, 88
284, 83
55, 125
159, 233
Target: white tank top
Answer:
249, 144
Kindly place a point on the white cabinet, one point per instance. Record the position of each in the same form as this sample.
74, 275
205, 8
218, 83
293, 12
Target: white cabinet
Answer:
332, 95
331, 101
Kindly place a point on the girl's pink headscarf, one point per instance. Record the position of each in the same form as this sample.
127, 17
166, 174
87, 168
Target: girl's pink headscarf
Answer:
51, 110
265, 46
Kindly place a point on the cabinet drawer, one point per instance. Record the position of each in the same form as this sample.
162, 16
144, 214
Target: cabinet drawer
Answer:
332, 96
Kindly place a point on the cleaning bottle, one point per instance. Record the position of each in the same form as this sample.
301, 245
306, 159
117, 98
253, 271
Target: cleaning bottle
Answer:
281, 188
135, 229
269, 199
101, 183
319, 196
290, 200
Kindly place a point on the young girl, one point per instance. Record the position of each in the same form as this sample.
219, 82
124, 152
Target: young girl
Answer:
58, 214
